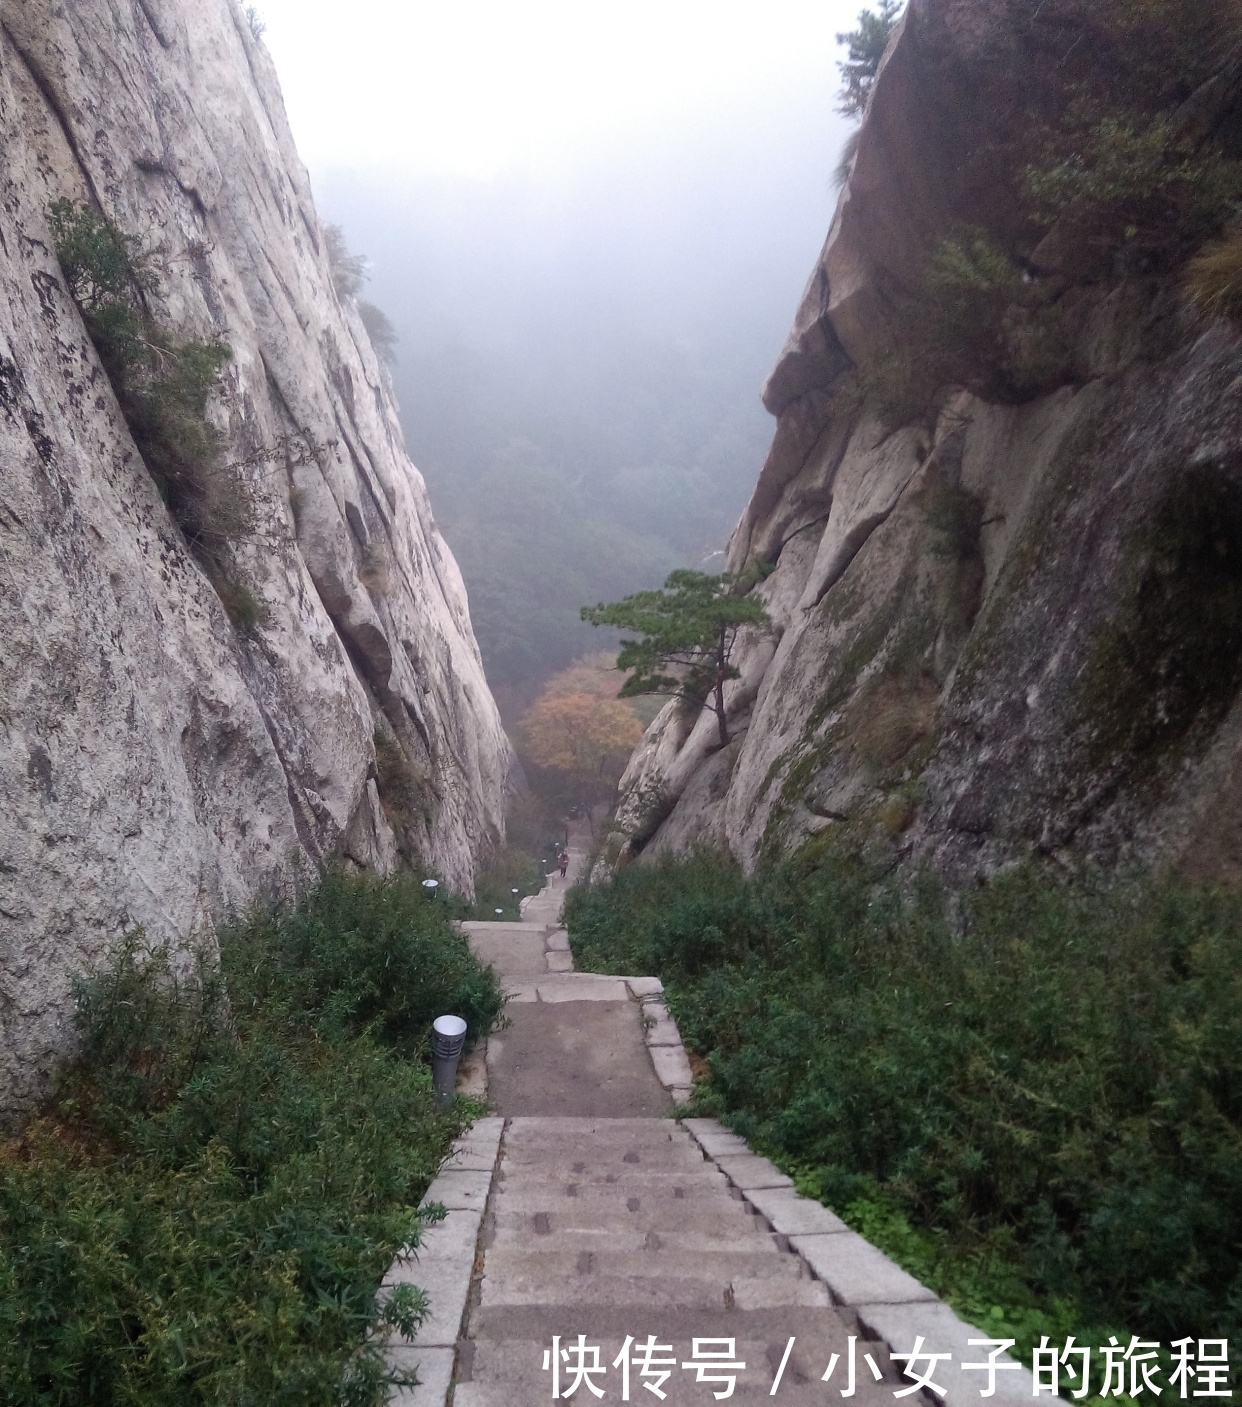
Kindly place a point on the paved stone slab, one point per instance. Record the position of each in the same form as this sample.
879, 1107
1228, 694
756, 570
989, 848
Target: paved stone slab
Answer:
595, 1134
442, 1267
559, 962
792, 1215
900, 1324
856, 1272
497, 926
747, 1257
460, 1189
545, 1214
654, 1291
720, 1145
516, 990
519, 952
574, 1057
671, 1065
434, 1367
453, 1238
749, 1171
705, 1127
642, 987
558, 942
745, 1238
582, 987
482, 1138
660, 1026
514, 1366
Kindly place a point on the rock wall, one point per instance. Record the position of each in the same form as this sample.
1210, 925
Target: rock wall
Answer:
158, 766
1009, 627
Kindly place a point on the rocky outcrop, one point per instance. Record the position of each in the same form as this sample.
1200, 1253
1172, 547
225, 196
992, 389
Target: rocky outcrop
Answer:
160, 765
1010, 624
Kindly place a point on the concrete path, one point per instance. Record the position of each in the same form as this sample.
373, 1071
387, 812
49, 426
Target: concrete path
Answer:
588, 1229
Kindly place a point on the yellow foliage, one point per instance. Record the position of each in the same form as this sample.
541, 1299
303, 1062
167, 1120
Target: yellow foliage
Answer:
1214, 277
596, 675
580, 732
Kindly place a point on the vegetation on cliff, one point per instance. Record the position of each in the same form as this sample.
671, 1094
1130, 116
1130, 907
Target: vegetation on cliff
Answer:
206, 1210
1031, 1101
689, 627
162, 381
1115, 157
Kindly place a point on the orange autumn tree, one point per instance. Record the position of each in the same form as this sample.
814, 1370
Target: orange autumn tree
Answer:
578, 728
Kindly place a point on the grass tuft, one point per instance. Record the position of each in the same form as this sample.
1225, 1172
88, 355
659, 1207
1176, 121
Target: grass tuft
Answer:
1214, 278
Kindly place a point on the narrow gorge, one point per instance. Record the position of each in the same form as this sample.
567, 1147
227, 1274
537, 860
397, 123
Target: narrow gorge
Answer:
182, 729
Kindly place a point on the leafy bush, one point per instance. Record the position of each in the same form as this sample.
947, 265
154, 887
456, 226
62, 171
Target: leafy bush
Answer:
399, 785
205, 1212
162, 383
1047, 1101
349, 271
244, 608
1133, 186
866, 46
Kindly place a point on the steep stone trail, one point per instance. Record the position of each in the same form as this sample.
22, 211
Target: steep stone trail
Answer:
582, 1215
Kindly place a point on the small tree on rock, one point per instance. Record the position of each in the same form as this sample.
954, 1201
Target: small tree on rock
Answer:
688, 630
866, 48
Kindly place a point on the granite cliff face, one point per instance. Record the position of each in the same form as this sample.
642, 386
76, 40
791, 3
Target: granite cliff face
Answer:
1007, 624
158, 764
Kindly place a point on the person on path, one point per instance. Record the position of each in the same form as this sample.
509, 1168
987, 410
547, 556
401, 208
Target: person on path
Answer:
564, 863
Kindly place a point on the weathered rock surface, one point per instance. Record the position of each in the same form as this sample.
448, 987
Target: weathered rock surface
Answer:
159, 767
1007, 628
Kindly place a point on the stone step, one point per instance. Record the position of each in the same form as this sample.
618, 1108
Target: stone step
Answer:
544, 1131
741, 1261
618, 1179
543, 1215
578, 1162
749, 1238
506, 1372
657, 1290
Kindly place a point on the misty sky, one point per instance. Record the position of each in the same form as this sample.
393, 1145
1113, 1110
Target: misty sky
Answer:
590, 224
484, 87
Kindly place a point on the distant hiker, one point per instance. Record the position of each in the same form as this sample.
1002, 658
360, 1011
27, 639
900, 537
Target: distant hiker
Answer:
564, 862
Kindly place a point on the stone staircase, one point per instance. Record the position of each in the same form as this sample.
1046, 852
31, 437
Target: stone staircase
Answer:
583, 1216
616, 1228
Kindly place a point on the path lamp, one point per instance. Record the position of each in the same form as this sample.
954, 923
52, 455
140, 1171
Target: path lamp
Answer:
448, 1035
430, 886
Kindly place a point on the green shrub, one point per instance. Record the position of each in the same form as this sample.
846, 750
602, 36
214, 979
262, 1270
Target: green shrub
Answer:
204, 1213
1132, 186
1052, 1092
380, 330
400, 788
162, 383
975, 322
244, 608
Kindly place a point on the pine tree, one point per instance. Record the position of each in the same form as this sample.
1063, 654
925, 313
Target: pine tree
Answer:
866, 48
690, 626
